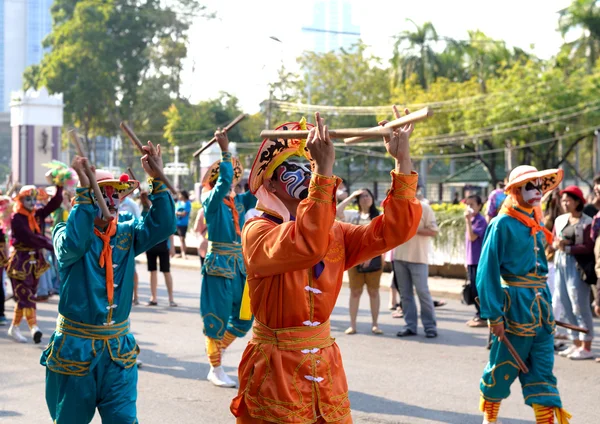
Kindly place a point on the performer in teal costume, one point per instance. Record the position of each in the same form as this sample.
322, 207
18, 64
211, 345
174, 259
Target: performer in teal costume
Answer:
515, 299
224, 272
90, 360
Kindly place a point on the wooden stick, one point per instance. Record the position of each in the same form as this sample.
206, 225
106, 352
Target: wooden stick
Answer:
571, 327
417, 116
213, 140
515, 355
12, 188
346, 132
92, 177
137, 143
131, 174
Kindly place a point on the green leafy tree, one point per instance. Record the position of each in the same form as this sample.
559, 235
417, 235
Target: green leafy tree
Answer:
584, 16
188, 125
413, 53
115, 61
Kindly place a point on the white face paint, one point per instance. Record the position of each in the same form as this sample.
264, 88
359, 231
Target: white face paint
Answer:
112, 200
532, 192
28, 202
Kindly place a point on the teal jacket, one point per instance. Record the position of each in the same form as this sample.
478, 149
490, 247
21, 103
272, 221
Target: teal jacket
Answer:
219, 222
83, 292
511, 278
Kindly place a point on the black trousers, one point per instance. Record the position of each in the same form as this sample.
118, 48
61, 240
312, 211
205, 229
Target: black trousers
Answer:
2, 294
472, 273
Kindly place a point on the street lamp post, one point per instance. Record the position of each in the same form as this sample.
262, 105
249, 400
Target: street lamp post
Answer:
176, 149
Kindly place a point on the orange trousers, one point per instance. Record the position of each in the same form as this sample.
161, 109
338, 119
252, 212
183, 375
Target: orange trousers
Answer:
247, 419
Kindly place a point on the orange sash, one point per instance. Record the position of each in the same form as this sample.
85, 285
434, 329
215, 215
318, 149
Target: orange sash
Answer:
533, 223
33, 224
230, 201
106, 257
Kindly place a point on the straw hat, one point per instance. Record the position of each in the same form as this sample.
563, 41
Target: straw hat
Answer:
521, 175
212, 174
123, 185
273, 153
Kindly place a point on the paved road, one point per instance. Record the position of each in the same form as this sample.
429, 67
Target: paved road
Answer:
391, 380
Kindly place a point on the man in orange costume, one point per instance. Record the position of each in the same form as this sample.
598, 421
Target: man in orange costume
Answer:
296, 254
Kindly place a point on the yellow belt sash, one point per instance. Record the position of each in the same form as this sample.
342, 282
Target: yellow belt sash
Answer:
88, 331
234, 249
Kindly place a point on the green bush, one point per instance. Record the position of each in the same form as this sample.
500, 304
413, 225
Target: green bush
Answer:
451, 222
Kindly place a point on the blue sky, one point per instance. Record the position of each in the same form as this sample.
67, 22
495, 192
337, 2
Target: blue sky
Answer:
234, 53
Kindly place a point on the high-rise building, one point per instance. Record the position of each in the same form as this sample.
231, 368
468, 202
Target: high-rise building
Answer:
24, 25
332, 26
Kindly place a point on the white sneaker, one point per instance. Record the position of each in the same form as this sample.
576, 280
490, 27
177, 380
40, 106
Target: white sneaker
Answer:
565, 353
16, 335
36, 334
491, 422
219, 378
581, 354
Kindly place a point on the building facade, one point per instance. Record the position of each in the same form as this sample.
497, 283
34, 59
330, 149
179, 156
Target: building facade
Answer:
332, 26
24, 25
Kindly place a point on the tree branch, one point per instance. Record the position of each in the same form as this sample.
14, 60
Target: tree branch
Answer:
591, 186
569, 150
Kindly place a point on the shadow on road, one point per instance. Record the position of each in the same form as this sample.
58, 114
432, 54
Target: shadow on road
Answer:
5, 414
445, 336
377, 405
159, 363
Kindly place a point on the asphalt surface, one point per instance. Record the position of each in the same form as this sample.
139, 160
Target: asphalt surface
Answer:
391, 380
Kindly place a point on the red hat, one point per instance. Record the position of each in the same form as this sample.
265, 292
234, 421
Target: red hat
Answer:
575, 191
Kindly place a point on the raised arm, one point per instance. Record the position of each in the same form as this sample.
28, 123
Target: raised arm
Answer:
223, 186
398, 223
159, 223
73, 238
341, 207
52, 205
271, 249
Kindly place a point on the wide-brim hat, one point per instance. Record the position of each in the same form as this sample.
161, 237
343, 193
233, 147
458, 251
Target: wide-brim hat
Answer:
28, 190
212, 174
521, 175
124, 185
273, 152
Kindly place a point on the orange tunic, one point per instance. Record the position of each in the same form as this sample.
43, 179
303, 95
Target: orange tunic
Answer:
291, 371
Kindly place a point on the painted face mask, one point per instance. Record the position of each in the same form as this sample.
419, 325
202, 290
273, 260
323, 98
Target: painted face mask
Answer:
112, 200
294, 175
532, 193
29, 202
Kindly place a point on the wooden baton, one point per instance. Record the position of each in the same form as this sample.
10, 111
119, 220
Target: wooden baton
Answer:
12, 189
213, 140
571, 327
137, 143
411, 118
131, 174
91, 176
515, 355
341, 133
